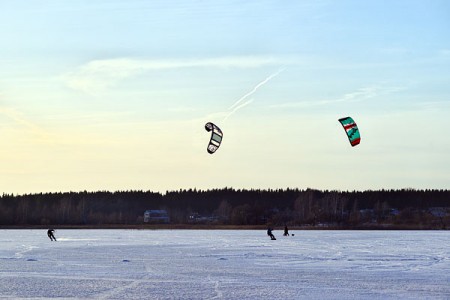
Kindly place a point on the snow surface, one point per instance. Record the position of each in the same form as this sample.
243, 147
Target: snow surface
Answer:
224, 264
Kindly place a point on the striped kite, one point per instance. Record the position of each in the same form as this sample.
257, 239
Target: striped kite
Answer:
216, 137
351, 129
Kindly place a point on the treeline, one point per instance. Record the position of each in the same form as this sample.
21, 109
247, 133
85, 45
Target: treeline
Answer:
348, 209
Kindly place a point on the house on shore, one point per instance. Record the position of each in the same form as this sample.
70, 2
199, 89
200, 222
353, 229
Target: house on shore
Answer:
156, 216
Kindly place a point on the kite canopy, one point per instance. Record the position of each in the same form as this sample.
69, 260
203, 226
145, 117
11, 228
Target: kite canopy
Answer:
216, 137
351, 129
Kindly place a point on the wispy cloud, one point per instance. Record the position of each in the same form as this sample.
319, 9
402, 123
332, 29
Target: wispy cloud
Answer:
20, 119
438, 104
97, 75
356, 96
182, 109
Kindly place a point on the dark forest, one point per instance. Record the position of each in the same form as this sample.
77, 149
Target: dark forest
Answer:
398, 209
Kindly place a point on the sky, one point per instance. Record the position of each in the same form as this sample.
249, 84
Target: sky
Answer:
114, 95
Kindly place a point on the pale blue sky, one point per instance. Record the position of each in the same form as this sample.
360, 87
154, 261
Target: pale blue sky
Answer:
114, 95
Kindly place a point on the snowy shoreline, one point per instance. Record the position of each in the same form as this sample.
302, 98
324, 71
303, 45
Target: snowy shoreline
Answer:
225, 227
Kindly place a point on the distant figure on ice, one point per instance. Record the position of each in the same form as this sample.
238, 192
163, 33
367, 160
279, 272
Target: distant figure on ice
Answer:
269, 233
51, 235
286, 231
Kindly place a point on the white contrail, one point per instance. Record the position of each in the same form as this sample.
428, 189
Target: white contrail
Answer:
98, 75
237, 108
255, 88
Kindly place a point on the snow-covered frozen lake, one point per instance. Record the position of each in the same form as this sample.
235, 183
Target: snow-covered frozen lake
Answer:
224, 264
